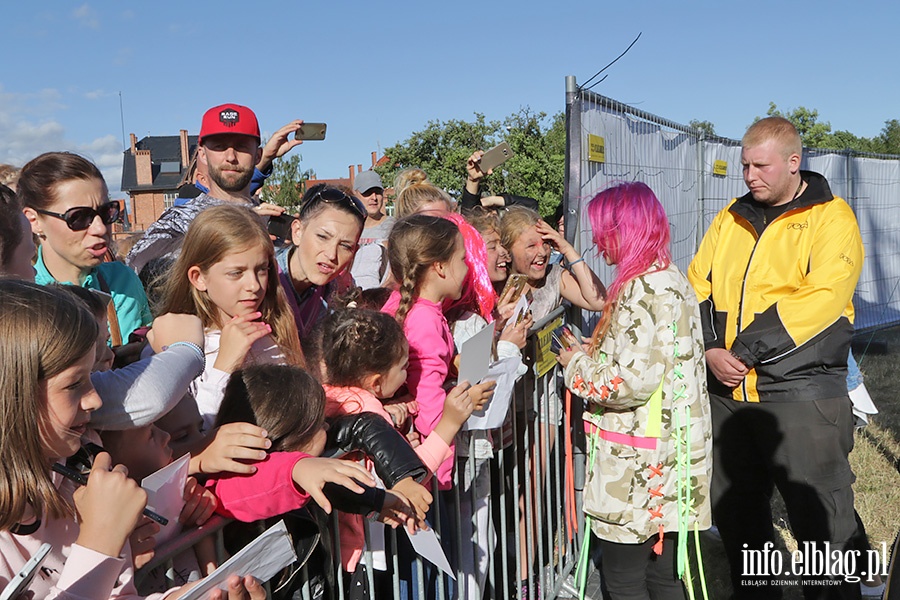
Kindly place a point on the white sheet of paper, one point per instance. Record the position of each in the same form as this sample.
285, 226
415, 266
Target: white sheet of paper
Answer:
475, 356
262, 558
520, 309
165, 491
428, 546
491, 416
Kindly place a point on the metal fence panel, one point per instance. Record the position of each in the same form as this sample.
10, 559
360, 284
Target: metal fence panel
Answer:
678, 163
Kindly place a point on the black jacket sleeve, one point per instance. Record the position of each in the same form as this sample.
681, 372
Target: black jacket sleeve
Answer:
369, 433
468, 200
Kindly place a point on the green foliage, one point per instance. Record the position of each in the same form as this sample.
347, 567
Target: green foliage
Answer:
817, 134
537, 170
284, 186
813, 133
706, 127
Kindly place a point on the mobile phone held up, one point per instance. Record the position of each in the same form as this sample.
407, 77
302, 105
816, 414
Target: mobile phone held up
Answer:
280, 226
311, 131
515, 282
495, 157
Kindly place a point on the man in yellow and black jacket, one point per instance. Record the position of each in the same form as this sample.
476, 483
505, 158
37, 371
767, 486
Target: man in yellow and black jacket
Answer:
775, 275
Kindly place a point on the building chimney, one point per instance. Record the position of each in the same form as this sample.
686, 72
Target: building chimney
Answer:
359, 168
133, 144
143, 167
352, 176
185, 155
374, 159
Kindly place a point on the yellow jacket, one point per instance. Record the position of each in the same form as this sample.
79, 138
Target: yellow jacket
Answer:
781, 300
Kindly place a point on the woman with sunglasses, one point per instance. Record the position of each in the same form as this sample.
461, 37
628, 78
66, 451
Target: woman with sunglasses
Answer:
325, 239
67, 203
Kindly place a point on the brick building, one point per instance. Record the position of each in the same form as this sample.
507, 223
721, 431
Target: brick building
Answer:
152, 170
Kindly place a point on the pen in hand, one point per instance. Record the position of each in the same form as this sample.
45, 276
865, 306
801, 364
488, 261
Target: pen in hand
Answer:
80, 479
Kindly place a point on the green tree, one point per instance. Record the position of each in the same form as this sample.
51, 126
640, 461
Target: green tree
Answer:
284, 186
536, 170
888, 141
441, 150
814, 134
706, 127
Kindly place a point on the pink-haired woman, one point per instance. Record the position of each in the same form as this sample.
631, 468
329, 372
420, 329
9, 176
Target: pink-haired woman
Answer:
644, 377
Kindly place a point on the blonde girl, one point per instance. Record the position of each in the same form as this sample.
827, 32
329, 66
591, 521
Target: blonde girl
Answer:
416, 194
47, 349
227, 275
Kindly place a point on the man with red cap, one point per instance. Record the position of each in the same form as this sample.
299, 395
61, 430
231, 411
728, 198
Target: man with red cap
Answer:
229, 151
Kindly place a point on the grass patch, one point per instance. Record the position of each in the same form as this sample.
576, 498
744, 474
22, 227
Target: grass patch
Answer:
875, 460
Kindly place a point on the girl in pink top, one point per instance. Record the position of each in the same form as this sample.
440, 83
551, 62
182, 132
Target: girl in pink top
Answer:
428, 258
365, 357
47, 350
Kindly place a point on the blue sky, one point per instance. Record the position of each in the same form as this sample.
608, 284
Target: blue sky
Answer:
376, 72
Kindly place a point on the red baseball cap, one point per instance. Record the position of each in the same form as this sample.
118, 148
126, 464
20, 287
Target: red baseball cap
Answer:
229, 118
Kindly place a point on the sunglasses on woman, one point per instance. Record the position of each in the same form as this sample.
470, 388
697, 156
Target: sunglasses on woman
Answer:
80, 218
335, 196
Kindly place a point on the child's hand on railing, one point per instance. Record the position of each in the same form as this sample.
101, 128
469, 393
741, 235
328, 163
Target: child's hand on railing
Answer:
143, 542
416, 493
311, 475
397, 511
199, 506
228, 444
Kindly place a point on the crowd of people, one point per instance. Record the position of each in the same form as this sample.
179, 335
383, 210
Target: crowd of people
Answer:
701, 391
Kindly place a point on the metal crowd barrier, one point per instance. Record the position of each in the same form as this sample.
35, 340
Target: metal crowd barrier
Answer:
529, 493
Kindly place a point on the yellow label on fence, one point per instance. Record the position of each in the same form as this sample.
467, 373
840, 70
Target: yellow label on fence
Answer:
720, 168
596, 148
544, 357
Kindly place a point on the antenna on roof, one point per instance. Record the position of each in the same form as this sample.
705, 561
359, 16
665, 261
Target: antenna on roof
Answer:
122, 116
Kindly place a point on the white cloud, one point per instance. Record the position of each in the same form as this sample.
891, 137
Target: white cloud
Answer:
94, 95
28, 127
86, 16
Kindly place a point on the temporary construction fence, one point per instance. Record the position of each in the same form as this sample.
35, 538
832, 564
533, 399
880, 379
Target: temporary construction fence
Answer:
521, 499
695, 176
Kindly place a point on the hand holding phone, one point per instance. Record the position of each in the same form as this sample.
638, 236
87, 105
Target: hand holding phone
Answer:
495, 157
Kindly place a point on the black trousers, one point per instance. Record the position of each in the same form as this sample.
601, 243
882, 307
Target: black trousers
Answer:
635, 572
802, 448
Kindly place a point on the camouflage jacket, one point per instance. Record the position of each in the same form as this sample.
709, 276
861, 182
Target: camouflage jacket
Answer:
648, 413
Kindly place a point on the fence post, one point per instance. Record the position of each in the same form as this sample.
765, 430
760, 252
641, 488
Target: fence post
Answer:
701, 174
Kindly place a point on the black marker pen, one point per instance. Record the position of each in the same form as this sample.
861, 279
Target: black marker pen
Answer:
80, 479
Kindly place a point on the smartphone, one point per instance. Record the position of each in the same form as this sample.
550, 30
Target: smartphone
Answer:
515, 282
311, 131
495, 157
280, 226
562, 337
18, 585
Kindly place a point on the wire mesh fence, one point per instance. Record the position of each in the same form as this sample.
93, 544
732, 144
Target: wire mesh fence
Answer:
696, 176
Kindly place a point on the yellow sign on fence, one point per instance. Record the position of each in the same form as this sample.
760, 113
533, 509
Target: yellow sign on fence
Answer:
596, 148
545, 358
720, 168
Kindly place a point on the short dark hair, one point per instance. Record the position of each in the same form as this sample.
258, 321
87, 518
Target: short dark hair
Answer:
10, 224
38, 180
284, 400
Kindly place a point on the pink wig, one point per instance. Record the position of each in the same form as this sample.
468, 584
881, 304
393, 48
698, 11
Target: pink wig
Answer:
478, 292
630, 225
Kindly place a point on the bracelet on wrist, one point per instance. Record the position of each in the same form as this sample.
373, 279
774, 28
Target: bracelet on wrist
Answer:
569, 265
